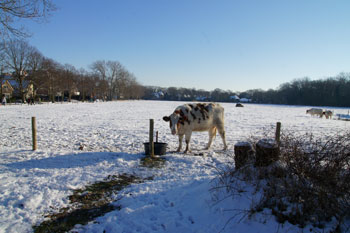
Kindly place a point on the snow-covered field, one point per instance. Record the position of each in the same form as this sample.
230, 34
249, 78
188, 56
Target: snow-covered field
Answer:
34, 183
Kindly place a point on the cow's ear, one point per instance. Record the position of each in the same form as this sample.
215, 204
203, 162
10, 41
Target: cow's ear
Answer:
166, 118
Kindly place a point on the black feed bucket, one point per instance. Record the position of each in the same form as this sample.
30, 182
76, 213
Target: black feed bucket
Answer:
159, 148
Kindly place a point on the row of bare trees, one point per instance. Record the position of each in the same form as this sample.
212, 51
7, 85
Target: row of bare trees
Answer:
122, 84
105, 80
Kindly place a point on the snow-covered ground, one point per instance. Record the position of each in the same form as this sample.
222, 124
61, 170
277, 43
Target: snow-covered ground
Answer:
34, 183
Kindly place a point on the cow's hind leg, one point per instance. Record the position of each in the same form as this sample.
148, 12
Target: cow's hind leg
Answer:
187, 139
223, 135
212, 133
181, 136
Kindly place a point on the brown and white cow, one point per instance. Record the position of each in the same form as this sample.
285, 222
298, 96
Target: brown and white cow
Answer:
197, 117
328, 114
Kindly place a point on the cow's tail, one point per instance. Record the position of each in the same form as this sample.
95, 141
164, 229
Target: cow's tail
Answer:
214, 132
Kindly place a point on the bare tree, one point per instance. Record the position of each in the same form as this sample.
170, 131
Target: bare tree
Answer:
50, 71
100, 69
35, 62
128, 87
12, 11
109, 71
132, 89
172, 93
17, 56
91, 86
82, 80
121, 84
101, 88
116, 72
69, 79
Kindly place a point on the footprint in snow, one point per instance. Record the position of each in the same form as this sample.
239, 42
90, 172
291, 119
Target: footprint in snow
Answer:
191, 219
180, 214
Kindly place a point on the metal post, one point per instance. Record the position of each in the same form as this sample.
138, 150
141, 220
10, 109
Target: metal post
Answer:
151, 144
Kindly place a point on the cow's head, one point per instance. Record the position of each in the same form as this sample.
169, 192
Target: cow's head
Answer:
173, 120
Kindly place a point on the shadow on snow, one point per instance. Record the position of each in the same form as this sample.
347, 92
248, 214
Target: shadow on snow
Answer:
72, 160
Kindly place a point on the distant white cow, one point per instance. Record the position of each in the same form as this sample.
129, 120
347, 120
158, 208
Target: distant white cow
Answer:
315, 111
197, 117
328, 114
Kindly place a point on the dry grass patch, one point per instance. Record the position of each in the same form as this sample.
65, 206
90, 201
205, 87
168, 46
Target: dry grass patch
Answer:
87, 204
308, 186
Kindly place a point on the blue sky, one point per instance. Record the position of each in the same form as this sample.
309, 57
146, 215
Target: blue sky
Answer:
202, 44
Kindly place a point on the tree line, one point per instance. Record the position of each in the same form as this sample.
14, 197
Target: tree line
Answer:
109, 80
105, 80
189, 94
332, 91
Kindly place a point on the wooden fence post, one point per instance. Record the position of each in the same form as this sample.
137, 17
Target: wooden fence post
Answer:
278, 132
34, 133
151, 144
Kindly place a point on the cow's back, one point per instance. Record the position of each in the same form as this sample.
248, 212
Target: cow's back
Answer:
315, 111
204, 116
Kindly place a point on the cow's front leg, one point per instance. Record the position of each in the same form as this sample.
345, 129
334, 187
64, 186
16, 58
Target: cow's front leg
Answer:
180, 142
187, 139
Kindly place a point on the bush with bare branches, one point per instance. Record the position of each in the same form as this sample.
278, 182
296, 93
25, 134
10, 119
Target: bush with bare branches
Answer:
308, 186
